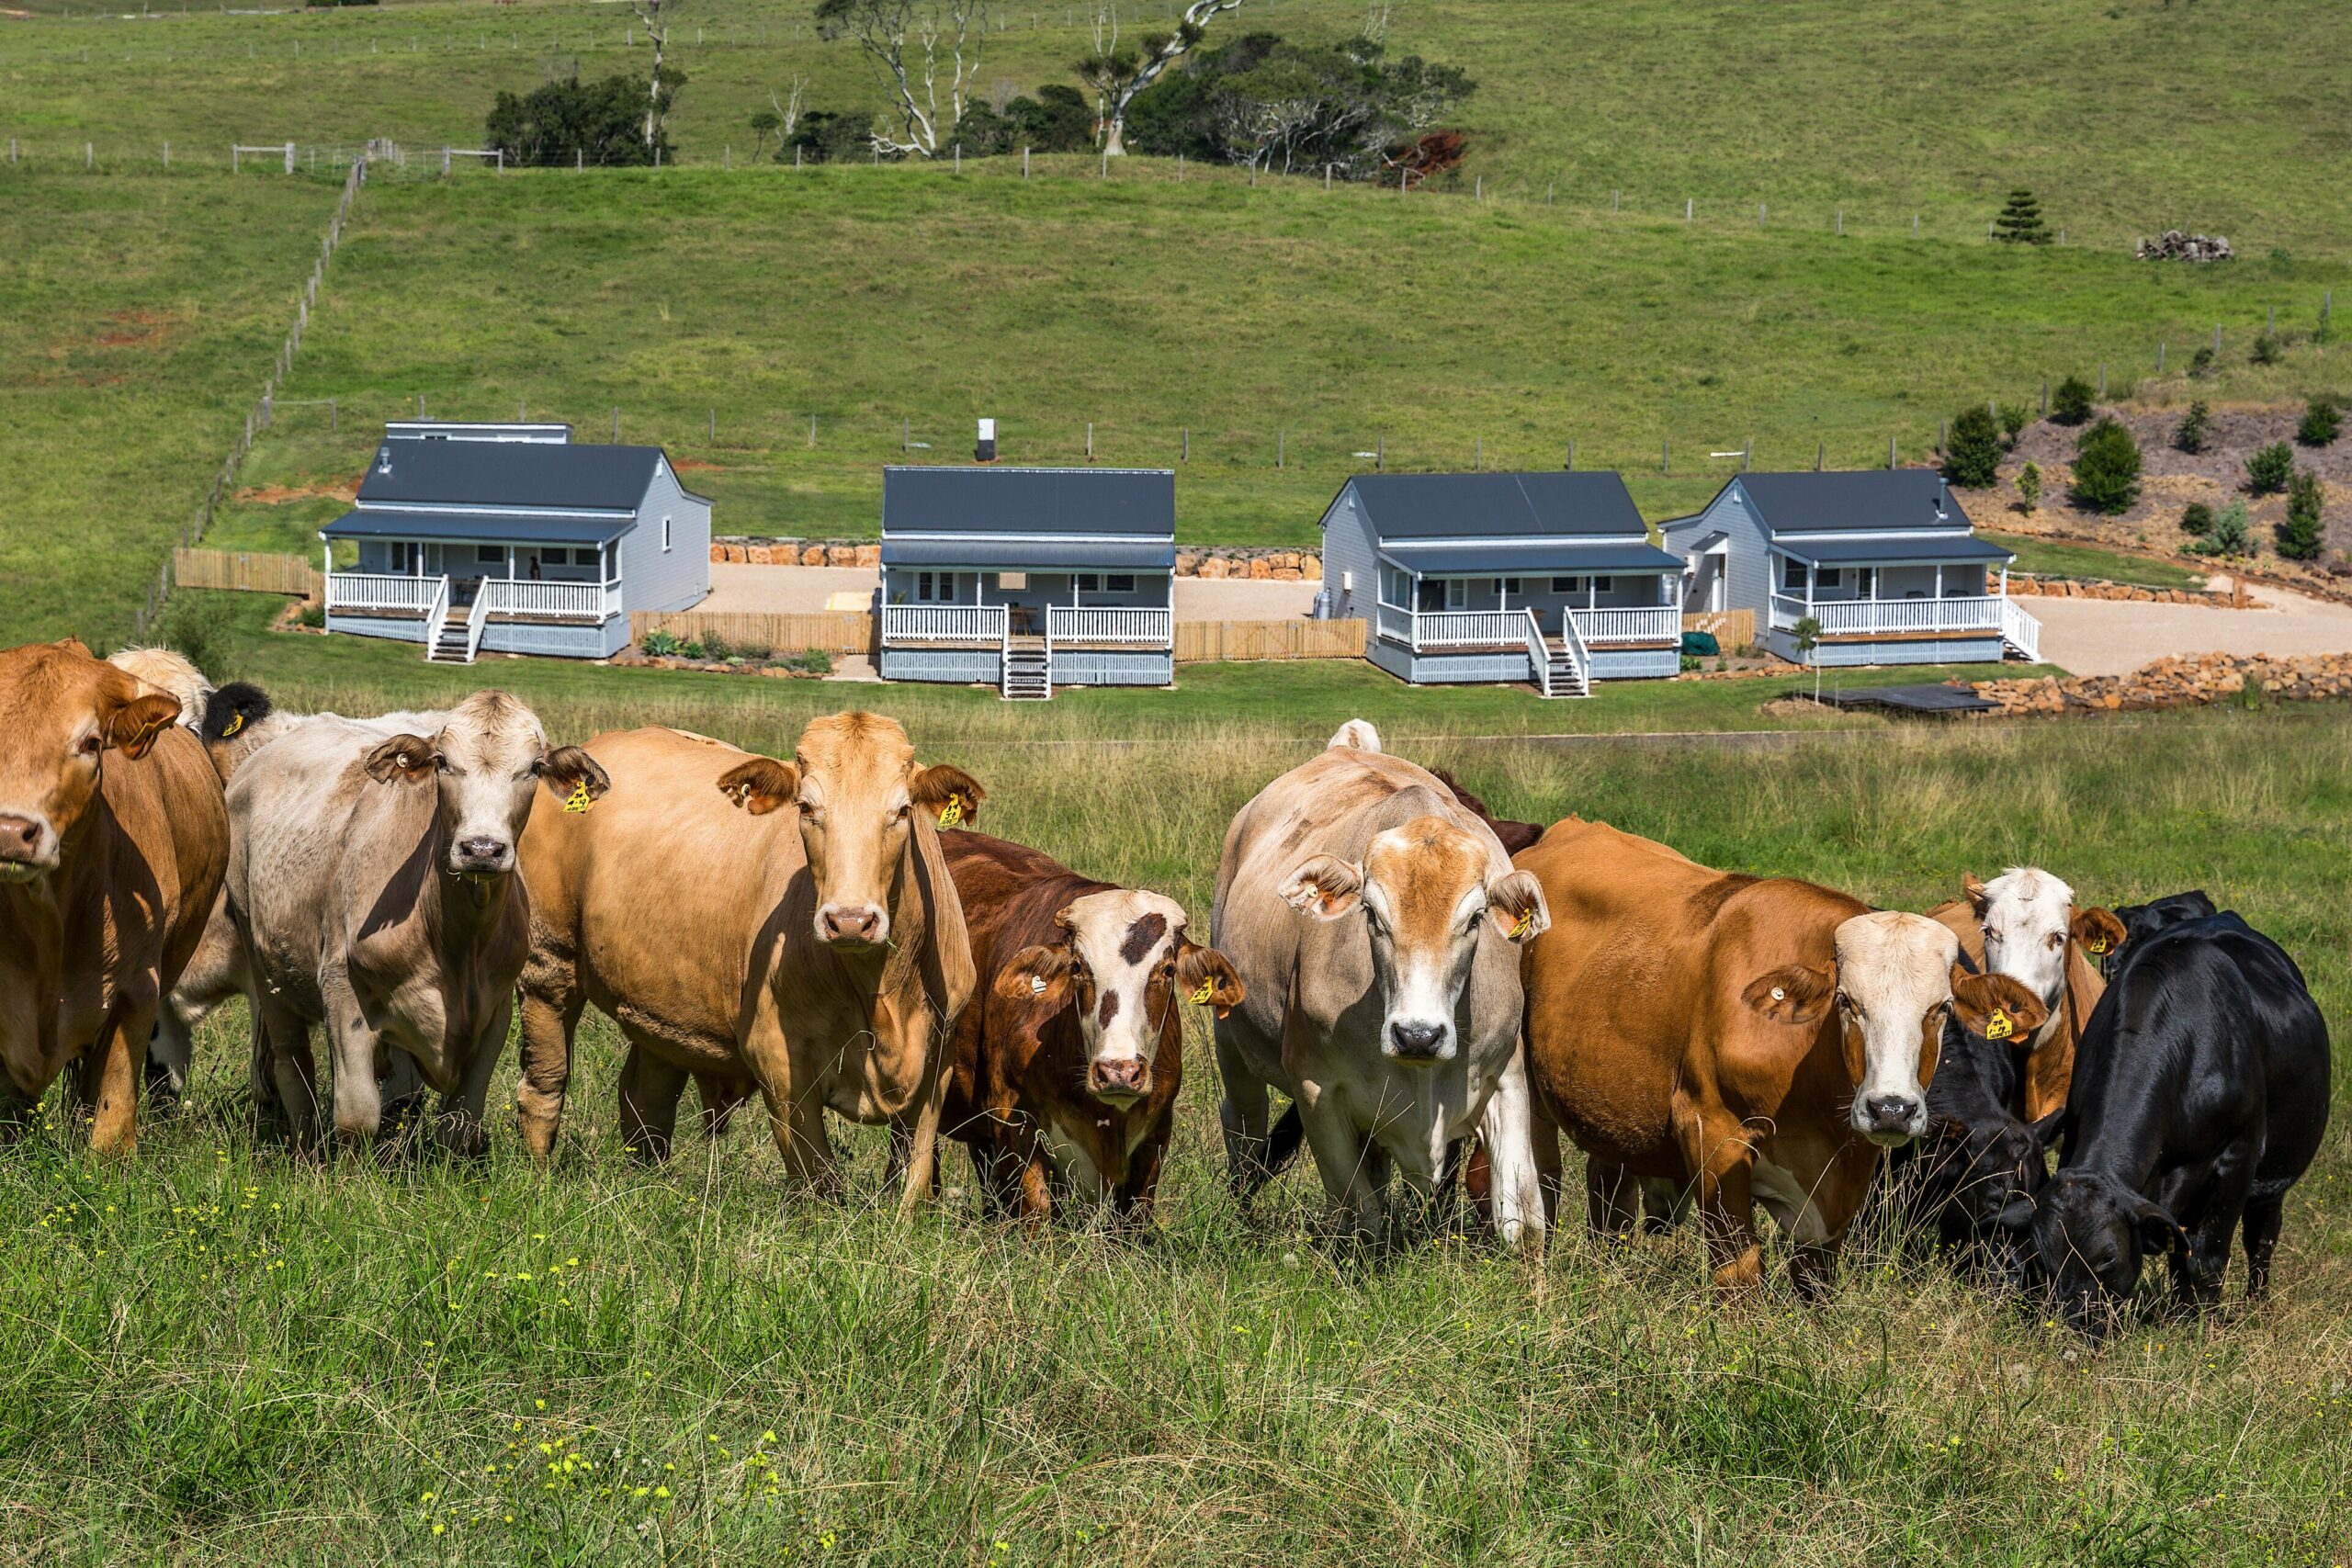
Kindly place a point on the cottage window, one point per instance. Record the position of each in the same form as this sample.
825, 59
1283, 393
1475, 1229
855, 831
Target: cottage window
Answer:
1864, 580
1829, 577
1121, 583
1568, 584
665, 533
1792, 574
1457, 592
490, 555
1511, 584
1089, 582
1603, 584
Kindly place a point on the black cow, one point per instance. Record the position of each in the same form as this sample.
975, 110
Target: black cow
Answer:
2146, 919
1974, 1176
2199, 1096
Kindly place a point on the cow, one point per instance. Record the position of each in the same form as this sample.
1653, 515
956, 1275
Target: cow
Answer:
2201, 1095
1374, 925
2145, 920
374, 883
1742, 1038
818, 954
2024, 924
113, 840
219, 714
1067, 1065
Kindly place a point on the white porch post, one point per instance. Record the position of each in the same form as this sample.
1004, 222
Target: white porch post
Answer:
509, 563
1939, 580
2004, 580
1809, 571
1502, 594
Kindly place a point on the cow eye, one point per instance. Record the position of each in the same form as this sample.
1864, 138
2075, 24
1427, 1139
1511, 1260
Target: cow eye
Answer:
902, 813
538, 766
2057, 941
90, 745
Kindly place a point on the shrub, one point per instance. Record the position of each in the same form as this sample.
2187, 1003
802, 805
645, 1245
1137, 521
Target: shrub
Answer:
2020, 221
714, 647
2322, 422
660, 644
2200, 364
1058, 119
827, 136
2015, 417
566, 121
313, 615
2029, 486
1973, 451
2197, 519
2107, 469
2194, 427
2267, 471
2266, 348
2298, 536
2071, 404
2232, 535
196, 626
811, 660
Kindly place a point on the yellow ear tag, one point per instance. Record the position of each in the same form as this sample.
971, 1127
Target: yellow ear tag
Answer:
1526, 923
2096, 947
951, 812
2000, 1026
1206, 989
578, 799
236, 722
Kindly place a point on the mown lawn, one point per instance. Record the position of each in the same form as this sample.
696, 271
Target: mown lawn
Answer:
2057, 558
214, 1353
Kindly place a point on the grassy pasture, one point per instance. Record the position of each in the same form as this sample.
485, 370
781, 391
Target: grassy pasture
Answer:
213, 1354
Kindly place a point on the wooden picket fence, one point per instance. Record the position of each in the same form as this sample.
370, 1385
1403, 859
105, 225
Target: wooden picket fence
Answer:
835, 631
1732, 628
1208, 642
251, 571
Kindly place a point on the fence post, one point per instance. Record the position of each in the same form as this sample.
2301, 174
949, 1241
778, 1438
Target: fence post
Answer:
1914, 225
616, 424
420, 405
2160, 356
89, 154
445, 162
2045, 397
1380, 453
1665, 457
1572, 455
1841, 220
1890, 452
579, 160
1188, 445
1327, 177
714, 427
2102, 382
2217, 340
1024, 161
168, 155
1089, 441
1820, 450
290, 155
812, 430
1612, 200
1689, 207
331, 416
959, 157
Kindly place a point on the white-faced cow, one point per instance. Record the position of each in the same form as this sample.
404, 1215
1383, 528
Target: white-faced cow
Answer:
1377, 925
374, 881
2024, 924
742, 919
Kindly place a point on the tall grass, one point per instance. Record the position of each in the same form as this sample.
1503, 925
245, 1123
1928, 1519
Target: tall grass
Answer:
215, 1354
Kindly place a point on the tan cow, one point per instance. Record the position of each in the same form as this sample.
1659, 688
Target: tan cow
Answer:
1752, 1039
2024, 924
741, 917
1375, 923
112, 841
374, 882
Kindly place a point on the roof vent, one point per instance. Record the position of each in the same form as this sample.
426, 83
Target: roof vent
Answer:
384, 458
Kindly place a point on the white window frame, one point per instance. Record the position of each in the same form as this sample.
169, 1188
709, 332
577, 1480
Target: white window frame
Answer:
1568, 585
1829, 577
1089, 582
1792, 575
665, 533
1603, 583
1457, 592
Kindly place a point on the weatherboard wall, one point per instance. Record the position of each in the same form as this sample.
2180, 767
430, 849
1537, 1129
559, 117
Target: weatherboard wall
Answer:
1748, 568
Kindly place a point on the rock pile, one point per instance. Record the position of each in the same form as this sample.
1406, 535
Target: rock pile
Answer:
2082, 588
1259, 565
2176, 682
796, 552
2174, 245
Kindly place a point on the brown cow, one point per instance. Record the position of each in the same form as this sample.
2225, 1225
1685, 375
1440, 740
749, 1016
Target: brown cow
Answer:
1752, 1038
818, 952
1067, 1065
113, 840
2024, 924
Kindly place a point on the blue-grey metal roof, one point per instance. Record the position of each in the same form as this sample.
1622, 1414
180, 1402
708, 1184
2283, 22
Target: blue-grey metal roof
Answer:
1545, 505
1858, 500
1016, 519
1446, 559
556, 475
507, 529
1963, 548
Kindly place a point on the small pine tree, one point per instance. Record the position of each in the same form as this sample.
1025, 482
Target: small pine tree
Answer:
2322, 422
2195, 426
2021, 221
2029, 486
2197, 519
2015, 417
2107, 469
2071, 404
2233, 532
2298, 536
2266, 349
1972, 450
2267, 471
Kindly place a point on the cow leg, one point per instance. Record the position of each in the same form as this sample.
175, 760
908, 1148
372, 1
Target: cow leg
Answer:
352, 1047
2261, 1227
552, 1001
110, 1079
1506, 1129
650, 1089
1244, 1115
1611, 1199
461, 1113
1354, 1169
1717, 1149
282, 1036
922, 1139
169, 1055
1135, 1195
2213, 1225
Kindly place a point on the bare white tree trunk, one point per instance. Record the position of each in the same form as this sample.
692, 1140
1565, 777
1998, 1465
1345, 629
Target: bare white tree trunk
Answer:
1172, 48
658, 32
904, 49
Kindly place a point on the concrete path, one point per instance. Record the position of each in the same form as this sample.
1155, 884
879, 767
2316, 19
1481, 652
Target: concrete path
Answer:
2104, 636
739, 589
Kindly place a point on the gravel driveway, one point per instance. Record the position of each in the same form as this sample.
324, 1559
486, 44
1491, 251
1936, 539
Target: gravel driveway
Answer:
2115, 637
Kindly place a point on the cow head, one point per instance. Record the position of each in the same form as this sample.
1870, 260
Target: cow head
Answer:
1895, 978
1997, 1170
483, 762
855, 783
2029, 918
1122, 964
63, 712
2091, 1234
2142, 921
1425, 890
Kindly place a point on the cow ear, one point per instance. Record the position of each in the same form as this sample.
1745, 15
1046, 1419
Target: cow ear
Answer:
132, 725
1792, 994
1206, 977
1036, 975
2016, 1215
2159, 1232
2047, 1131
2098, 931
408, 757
231, 708
950, 791
1515, 903
1995, 1007
1323, 886
1973, 888
760, 786
574, 776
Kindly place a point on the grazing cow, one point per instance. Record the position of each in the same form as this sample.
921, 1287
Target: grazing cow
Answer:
1067, 1064
1376, 925
2024, 924
2201, 1095
112, 844
2145, 920
818, 952
374, 882
1751, 1038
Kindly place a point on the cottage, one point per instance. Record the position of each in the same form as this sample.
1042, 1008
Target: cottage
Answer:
1883, 561
1029, 579
514, 539
1548, 578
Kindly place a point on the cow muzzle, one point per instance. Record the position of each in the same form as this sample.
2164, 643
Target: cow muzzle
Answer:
1888, 1119
852, 928
1418, 1040
482, 857
27, 848
1120, 1080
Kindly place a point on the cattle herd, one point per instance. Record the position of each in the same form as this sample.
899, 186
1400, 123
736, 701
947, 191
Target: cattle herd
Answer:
1435, 993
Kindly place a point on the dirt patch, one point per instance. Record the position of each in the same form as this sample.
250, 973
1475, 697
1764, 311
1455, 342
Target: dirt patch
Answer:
133, 329
693, 465
1796, 707
344, 491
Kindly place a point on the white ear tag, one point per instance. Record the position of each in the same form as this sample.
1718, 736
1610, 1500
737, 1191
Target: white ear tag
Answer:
1037, 984
1779, 994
